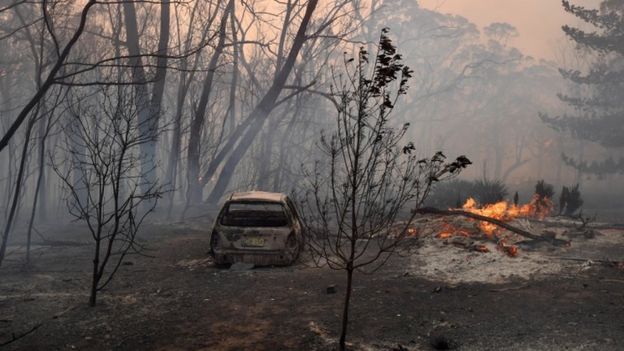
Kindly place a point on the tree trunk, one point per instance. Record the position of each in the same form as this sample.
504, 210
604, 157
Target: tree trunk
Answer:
260, 113
148, 168
171, 175
265, 158
17, 189
147, 113
231, 118
176, 140
345, 311
194, 188
8, 189
95, 278
50, 79
38, 187
282, 155
43, 191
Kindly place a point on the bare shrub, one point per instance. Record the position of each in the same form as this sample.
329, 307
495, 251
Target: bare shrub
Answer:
370, 177
104, 178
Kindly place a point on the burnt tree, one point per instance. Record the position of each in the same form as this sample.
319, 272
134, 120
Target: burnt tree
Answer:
356, 197
108, 195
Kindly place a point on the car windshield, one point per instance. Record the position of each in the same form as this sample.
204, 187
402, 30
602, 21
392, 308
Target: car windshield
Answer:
254, 214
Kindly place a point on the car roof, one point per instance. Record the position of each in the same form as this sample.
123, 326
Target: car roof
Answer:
258, 196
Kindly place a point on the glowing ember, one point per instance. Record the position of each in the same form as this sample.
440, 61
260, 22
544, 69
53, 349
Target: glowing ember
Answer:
449, 230
481, 248
511, 250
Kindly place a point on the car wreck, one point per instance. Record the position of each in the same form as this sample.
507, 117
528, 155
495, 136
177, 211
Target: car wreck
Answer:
257, 227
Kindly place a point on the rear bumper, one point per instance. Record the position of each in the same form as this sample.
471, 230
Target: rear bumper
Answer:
257, 257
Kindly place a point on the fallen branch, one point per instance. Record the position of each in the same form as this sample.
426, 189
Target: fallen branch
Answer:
437, 211
14, 337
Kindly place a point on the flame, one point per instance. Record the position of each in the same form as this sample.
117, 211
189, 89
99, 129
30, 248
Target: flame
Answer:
505, 211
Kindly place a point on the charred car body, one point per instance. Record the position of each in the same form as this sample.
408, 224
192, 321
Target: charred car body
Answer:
257, 227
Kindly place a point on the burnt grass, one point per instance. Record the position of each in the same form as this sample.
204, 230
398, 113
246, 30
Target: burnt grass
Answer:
178, 300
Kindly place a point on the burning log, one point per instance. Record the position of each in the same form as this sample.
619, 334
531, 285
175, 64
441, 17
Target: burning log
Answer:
454, 212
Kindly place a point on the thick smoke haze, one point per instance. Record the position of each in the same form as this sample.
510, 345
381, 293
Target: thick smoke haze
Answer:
538, 22
146, 146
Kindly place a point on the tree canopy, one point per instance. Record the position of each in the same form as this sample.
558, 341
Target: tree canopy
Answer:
597, 106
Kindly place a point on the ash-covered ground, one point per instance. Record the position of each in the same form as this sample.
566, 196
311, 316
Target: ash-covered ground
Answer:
439, 293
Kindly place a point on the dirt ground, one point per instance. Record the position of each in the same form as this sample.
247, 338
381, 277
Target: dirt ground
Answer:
439, 296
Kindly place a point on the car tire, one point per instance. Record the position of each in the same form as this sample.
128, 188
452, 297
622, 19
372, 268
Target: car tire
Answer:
293, 249
214, 241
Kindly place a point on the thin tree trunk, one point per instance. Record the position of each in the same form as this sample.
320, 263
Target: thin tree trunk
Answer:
262, 110
50, 79
8, 189
40, 181
17, 189
287, 135
42, 191
345, 311
265, 157
95, 279
148, 109
171, 175
231, 118
149, 148
194, 188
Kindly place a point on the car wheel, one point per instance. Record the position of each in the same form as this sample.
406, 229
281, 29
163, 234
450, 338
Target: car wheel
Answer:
214, 242
293, 249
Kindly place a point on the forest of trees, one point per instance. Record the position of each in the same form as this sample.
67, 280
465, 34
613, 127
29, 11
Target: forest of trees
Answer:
596, 104
227, 95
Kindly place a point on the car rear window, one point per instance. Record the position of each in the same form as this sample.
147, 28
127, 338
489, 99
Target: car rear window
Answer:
254, 214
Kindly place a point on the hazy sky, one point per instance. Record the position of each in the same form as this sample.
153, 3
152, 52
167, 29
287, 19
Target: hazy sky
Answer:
538, 21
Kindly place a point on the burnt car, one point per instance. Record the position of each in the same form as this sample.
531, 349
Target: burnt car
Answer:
257, 227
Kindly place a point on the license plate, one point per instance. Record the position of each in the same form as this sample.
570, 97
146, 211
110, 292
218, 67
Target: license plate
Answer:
254, 242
